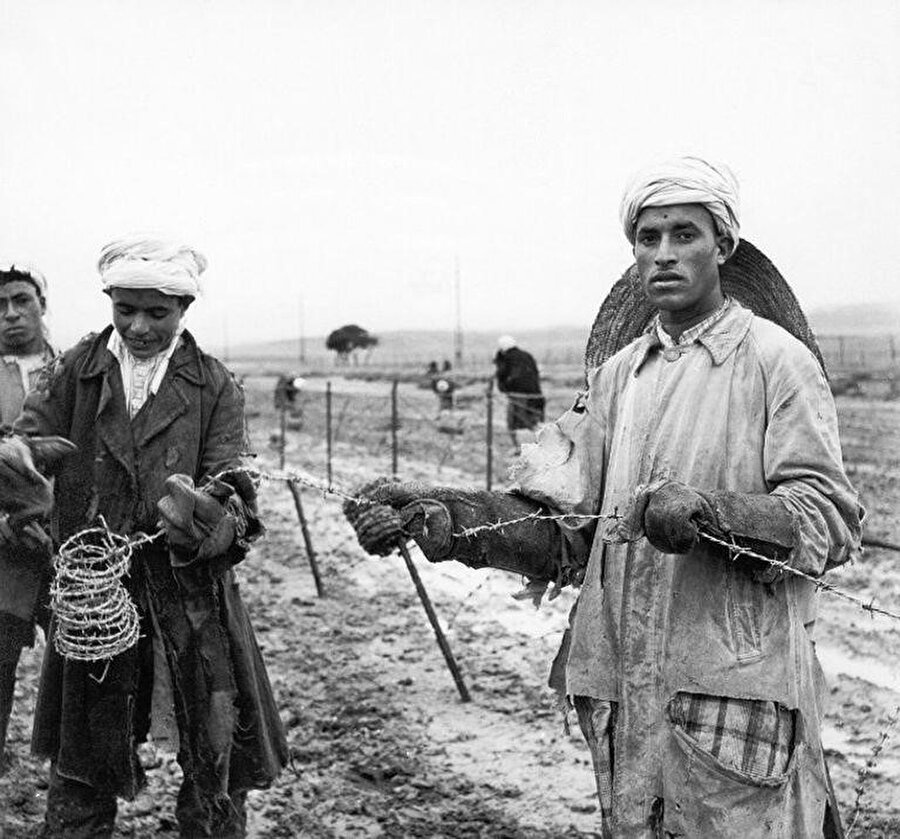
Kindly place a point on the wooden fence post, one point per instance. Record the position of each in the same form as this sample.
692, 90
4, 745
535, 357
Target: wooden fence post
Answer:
395, 423
489, 434
328, 430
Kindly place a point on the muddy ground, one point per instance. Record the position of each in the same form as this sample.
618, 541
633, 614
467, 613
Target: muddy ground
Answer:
381, 745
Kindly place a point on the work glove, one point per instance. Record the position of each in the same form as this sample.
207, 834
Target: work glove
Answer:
387, 513
196, 523
27, 538
25, 493
672, 516
674, 513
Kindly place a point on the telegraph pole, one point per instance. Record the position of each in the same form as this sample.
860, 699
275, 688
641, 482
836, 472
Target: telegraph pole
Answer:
457, 335
302, 347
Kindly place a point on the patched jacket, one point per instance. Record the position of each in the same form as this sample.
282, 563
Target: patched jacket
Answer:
747, 409
203, 644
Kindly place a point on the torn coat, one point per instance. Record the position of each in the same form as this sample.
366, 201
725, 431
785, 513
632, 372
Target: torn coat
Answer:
746, 408
230, 734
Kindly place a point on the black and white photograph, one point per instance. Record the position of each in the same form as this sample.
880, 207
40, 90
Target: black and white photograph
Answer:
438, 419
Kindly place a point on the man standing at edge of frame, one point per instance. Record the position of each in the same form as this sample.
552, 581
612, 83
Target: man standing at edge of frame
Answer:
25, 551
159, 429
692, 669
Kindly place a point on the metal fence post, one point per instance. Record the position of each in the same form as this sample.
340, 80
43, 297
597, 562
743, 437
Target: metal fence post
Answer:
328, 430
395, 422
489, 434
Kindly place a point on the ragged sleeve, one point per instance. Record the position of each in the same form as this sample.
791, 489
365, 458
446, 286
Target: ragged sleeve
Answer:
564, 469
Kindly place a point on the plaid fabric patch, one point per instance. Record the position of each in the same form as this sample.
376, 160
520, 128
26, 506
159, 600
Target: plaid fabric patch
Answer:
596, 719
752, 736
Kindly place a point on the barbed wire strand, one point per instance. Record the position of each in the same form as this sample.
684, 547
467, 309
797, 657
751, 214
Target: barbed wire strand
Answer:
868, 768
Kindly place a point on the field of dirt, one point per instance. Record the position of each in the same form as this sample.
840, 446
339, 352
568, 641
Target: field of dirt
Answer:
381, 744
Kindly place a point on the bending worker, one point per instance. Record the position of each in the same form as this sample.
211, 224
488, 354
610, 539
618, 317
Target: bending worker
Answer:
692, 672
159, 430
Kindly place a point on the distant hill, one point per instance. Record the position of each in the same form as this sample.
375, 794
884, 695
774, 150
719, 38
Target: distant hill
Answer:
416, 348
560, 345
856, 319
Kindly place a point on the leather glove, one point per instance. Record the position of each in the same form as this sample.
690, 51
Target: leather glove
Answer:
24, 491
396, 513
27, 538
672, 516
433, 514
757, 521
196, 524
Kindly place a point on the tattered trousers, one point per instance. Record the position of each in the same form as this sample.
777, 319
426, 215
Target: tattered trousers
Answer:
79, 811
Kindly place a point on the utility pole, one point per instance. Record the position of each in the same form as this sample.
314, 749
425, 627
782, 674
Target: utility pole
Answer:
457, 335
302, 347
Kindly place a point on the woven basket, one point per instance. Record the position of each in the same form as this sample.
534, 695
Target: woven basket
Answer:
748, 276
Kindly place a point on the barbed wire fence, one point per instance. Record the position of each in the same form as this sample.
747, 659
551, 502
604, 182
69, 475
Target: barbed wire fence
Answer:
403, 426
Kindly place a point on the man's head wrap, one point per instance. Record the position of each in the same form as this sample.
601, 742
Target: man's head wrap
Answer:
11, 272
684, 180
506, 342
140, 262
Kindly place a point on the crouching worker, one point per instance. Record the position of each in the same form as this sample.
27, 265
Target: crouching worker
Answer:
692, 670
158, 426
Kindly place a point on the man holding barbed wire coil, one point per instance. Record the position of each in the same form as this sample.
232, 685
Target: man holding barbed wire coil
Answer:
159, 430
707, 427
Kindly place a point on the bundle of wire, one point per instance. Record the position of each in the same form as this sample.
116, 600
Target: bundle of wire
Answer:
96, 619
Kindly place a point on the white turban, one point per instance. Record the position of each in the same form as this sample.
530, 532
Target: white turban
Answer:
142, 262
684, 180
506, 342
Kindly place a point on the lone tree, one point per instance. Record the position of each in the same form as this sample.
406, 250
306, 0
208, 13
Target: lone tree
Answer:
348, 339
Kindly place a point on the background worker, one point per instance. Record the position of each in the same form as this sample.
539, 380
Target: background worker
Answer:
518, 377
24, 551
691, 667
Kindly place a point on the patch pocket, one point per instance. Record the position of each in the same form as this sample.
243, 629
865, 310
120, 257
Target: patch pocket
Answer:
708, 790
751, 740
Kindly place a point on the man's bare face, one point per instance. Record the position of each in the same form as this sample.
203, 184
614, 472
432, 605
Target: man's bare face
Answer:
146, 319
21, 318
678, 254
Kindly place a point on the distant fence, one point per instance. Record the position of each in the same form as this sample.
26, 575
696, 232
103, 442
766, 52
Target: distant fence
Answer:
842, 353
871, 353
411, 430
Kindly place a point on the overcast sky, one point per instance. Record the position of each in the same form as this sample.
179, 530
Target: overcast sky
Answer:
337, 158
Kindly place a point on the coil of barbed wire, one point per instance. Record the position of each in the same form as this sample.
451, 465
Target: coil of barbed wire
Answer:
96, 618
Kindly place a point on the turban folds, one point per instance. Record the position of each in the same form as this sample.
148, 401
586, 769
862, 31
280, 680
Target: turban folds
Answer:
141, 262
684, 180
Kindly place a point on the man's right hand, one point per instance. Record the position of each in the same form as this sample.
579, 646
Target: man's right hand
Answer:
387, 513
378, 527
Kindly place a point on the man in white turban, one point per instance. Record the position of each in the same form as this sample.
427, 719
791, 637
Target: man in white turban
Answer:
159, 429
691, 667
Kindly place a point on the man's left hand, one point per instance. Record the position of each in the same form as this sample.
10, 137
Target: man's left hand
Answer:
672, 517
196, 524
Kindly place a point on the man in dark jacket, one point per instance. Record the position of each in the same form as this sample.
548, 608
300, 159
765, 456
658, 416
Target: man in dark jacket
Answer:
24, 551
518, 378
160, 430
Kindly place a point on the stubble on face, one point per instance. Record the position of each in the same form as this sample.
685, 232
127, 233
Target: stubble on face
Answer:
21, 318
678, 253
